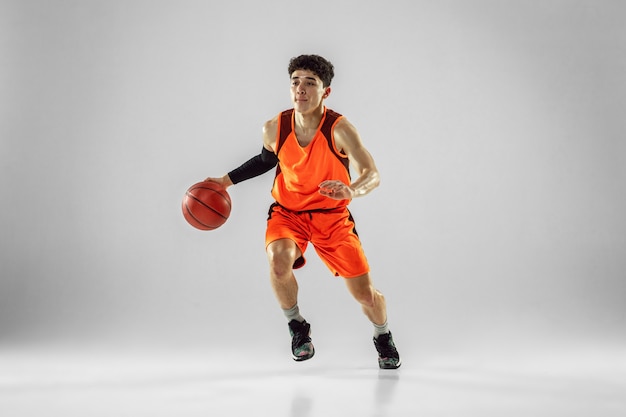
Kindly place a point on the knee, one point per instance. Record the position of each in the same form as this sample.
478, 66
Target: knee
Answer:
281, 260
279, 267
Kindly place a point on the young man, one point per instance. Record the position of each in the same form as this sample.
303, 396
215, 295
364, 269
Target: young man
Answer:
313, 147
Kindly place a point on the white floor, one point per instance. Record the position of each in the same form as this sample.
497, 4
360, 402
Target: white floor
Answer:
180, 383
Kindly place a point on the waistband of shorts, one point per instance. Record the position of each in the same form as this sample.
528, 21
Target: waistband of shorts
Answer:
319, 210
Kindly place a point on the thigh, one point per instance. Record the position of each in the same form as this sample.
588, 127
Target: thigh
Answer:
338, 245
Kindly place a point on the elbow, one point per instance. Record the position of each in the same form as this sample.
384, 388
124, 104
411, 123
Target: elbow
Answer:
375, 179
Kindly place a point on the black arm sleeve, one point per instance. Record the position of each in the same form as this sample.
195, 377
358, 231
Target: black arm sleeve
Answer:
254, 167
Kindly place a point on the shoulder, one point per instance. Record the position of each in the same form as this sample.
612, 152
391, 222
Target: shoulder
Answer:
271, 125
270, 130
346, 134
344, 126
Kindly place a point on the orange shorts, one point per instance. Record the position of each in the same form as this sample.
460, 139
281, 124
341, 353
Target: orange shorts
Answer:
332, 233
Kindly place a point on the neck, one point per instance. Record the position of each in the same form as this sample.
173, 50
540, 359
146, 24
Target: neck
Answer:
311, 120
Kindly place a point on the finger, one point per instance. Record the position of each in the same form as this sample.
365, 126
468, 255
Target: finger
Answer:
331, 184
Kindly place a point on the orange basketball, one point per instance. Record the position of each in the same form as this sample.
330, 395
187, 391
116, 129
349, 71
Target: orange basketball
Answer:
206, 205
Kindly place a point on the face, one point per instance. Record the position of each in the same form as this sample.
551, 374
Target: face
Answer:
307, 91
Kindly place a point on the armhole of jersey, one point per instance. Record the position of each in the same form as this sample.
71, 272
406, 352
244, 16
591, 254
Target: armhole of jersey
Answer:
334, 145
284, 129
327, 129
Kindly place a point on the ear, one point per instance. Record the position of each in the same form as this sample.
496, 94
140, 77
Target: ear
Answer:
326, 92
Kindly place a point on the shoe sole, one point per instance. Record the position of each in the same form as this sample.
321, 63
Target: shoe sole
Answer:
390, 366
303, 358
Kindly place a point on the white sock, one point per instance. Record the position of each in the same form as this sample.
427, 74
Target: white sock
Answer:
380, 329
293, 313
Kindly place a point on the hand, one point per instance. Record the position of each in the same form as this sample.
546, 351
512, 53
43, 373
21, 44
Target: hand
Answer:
336, 190
223, 181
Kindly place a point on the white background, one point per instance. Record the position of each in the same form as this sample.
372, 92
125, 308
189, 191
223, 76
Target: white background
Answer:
498, 128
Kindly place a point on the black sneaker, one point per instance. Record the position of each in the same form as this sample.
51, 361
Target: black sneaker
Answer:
388, 357
301, 346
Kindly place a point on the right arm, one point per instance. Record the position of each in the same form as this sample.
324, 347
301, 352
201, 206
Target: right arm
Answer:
258, 164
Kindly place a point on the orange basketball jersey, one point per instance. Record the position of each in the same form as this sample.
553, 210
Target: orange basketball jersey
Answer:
302, 168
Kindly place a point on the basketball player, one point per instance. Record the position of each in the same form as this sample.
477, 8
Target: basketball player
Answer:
313, 147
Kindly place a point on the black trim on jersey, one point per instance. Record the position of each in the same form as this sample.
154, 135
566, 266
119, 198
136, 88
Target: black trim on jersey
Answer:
285, 128
326, 129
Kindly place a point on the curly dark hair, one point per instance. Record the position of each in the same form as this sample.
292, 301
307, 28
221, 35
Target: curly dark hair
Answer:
314, 63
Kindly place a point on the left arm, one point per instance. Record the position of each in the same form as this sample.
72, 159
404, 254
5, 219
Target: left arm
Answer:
347, 139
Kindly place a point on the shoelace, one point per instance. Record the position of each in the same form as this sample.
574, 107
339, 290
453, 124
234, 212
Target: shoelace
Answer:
300, 335
385, 348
